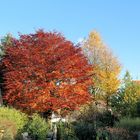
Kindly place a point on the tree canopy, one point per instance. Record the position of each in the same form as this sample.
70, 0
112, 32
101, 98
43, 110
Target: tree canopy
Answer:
44, 71
106, 65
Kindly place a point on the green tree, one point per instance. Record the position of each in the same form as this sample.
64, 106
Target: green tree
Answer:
5, 41
126, 100
127, 79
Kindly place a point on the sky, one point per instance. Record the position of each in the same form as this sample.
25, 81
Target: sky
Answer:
118, 22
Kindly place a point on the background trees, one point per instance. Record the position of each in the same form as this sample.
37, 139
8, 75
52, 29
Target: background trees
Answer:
127, 101
44, 71
3, 42
105, 65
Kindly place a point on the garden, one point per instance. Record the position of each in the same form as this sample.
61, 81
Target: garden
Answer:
53, 89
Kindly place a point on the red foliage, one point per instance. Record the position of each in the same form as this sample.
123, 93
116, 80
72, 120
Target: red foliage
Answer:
44, 71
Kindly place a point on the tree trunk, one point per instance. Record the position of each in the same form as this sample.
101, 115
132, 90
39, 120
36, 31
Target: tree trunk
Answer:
107, 103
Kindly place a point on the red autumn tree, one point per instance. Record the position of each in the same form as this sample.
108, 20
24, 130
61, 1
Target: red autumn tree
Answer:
44, 71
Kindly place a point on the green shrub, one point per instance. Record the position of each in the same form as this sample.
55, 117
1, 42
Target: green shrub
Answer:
138, 108
102, 134
87, 113
37, 127
101, 119
131, 124
65, 131
84, 130
93, 114
12, 122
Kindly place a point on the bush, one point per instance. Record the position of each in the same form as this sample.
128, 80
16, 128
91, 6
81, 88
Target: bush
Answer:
12, 122
138, 108
9, 130
87, 113
92, 114
119, 134
102, 134
84, 130
131, 124
106, 118
65, 131
37, 127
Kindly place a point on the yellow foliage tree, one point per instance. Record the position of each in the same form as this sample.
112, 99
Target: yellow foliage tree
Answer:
106, 66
